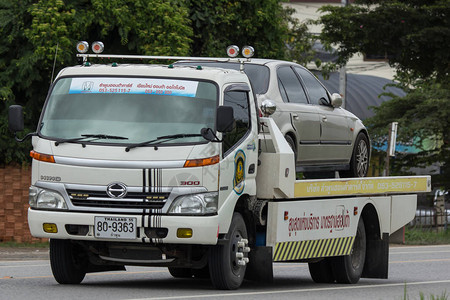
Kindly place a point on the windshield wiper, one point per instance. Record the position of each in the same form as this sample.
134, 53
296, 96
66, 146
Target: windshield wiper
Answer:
89, 136
162, 139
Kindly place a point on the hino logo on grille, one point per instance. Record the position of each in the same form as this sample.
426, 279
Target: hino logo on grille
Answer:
116, 190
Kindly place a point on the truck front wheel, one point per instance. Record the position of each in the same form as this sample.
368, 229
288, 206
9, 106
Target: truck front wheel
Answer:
68, 262
227, 261
349, 268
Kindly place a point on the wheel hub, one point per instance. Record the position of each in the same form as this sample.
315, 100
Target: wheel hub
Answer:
239, 251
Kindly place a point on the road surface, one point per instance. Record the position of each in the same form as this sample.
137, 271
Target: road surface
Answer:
412, 270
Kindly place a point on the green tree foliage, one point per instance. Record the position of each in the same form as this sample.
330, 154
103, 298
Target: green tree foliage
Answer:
424, 121
263, 24
31, 32
414, 36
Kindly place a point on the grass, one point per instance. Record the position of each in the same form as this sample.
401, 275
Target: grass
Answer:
442, 296
425, 236
14, 244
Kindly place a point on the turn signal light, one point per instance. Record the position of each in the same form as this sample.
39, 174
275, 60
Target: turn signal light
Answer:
50, 227
202, 162
42, 157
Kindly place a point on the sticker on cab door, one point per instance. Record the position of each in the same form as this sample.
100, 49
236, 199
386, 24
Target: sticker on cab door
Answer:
239, 172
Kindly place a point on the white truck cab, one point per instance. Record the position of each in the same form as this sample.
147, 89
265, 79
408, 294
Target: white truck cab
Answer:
172, 165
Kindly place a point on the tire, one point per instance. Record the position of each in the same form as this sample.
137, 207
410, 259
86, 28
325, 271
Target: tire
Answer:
180, 272
321, 272
291, 143
68, 262
359, 162
349, 268
225, 272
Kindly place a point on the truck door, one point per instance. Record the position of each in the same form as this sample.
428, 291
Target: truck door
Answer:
239, 147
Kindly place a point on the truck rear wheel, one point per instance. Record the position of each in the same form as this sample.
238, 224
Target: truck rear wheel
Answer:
349, 268
68, 262
227, 261
321, 271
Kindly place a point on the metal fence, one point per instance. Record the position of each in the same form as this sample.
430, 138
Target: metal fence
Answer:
436, 217
432, 218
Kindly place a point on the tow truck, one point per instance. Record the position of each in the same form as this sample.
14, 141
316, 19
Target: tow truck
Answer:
164, 165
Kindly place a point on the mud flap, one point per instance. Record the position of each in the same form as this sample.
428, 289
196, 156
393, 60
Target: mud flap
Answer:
377, 258
260, 266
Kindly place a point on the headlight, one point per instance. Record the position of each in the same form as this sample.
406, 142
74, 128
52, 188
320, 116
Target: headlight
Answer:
45, 199
195, 204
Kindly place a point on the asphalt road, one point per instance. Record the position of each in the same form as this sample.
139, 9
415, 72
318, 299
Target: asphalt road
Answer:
413, 270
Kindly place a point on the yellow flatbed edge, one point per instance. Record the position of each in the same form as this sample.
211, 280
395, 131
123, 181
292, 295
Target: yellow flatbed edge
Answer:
361, 186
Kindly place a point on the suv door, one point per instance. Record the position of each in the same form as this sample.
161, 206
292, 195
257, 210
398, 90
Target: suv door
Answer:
304, 116
336, 135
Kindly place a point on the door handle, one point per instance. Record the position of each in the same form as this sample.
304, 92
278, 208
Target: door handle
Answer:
295, 116
324, 118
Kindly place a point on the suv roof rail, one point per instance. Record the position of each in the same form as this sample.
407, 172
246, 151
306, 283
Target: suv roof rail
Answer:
108, 56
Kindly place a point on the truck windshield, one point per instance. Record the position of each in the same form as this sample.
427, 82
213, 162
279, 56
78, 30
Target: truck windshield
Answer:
136, 109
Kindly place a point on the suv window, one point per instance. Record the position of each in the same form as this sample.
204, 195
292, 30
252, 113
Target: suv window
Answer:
315, 90
240, 103
290, 87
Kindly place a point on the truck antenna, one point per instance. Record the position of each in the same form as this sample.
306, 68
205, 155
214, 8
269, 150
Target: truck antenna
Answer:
54, 63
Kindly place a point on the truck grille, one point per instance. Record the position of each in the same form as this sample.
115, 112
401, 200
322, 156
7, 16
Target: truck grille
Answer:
133, 200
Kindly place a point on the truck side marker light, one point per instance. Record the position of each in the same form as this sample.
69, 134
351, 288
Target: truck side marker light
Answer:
42, 157
286, 215
355, 210
202, 162
184, 233
50, 228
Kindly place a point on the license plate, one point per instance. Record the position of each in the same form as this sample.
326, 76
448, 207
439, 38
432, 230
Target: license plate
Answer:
115, 228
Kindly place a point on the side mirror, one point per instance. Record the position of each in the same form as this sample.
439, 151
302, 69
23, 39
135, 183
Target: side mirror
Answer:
15, 118
268, 107
336, 100
225, 119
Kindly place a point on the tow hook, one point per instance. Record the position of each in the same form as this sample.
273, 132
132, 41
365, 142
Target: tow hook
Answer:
242, 252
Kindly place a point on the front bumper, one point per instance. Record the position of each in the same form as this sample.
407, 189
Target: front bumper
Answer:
204, 228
